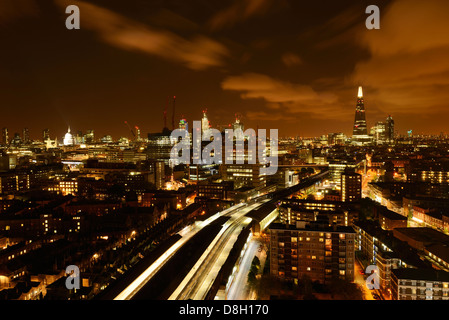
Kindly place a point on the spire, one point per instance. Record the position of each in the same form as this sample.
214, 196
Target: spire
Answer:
360, 95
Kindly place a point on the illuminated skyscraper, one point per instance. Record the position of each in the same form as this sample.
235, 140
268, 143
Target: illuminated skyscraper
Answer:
46, 134
238, 125
205, 124
359, 132
359, 121
89, 137
183, 124
5, 138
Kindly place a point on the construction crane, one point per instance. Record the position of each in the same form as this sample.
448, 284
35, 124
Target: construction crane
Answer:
130, 129
138, 133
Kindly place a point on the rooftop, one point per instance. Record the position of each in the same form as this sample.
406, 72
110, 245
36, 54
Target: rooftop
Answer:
424, 234
421, 274
391, 215
312, 227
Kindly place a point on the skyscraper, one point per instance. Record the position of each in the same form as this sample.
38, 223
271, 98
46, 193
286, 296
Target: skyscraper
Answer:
205, 124
379, 132
46, 134
5, 138
89, 137
389, 129
26, 135
359, 132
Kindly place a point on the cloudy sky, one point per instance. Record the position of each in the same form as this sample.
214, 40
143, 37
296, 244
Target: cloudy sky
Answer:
290, 65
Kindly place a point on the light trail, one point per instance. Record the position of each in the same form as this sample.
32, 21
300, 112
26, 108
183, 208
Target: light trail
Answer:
198, 281
187, 233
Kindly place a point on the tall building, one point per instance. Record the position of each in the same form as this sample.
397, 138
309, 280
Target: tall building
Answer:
89, 137
378, 132
322, 253
5, 138
205, 124
159, 146
238, 125
351, 186
389, 129
16, 140
46, 134
183, 124
26, 135
359, 132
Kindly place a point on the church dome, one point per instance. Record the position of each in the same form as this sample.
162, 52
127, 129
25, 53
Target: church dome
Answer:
68, 138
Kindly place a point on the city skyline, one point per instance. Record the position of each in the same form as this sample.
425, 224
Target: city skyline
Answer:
282, 65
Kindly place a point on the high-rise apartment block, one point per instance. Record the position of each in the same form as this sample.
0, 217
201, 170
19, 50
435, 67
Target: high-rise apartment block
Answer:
320, 252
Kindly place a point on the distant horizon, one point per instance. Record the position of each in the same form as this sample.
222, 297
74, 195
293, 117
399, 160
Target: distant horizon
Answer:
284, 65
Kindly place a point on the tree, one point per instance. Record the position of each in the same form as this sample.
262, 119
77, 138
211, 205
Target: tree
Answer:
252, 279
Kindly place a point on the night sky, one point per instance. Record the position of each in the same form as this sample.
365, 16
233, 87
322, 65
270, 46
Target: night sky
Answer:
290, 65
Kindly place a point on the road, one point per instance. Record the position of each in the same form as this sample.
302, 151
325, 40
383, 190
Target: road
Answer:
360, 280
198, 281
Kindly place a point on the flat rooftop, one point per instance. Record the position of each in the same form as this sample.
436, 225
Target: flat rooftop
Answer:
424, 234
421, 274
311, 227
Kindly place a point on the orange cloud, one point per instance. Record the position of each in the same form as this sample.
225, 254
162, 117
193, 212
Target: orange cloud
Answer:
290, 59
408, 70
287, 98
197, 53
240, 11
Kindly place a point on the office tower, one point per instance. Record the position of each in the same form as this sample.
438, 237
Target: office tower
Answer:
359, 132
26, 135
323, 253
238, 125
46, 134
107, 139
389, 129
160, 145
244, 175
205, 124
351, 186
16, 140
378, 132
183, 124
89, 136
5, 138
